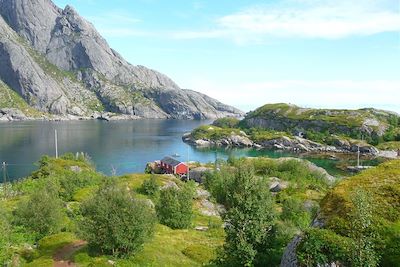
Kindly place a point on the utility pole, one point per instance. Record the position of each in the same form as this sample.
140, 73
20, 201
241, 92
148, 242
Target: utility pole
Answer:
188, 169
4, 179
56, 143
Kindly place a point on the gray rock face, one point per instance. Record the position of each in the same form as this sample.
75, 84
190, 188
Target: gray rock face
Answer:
233, 140
104, 79
12, 114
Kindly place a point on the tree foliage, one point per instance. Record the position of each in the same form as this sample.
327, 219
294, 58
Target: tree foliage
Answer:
42, 213
361, 231
175, 206
115, 222
150, 187
249, 218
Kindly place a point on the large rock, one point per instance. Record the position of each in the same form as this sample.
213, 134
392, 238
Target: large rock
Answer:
104, 80
12, 114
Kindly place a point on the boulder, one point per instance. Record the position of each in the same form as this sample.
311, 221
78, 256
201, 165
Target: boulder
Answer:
12, 114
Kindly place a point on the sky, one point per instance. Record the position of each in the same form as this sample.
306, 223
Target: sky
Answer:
247, 53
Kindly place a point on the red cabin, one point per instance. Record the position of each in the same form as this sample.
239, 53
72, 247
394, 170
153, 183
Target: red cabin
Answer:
173, 166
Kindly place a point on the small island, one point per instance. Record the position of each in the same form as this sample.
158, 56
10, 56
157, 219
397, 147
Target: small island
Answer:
289, 127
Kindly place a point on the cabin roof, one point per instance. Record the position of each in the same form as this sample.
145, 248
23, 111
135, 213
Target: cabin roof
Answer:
171, 161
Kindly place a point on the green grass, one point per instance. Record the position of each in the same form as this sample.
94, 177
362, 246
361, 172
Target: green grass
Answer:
48, 246
383, 182
350, 118
213, 133
259, 135
168, 247
394, 145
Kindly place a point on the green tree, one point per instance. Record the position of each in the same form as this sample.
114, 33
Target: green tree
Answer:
115, 222
175, 206
150, 187
361, 231
249, 218
42, 212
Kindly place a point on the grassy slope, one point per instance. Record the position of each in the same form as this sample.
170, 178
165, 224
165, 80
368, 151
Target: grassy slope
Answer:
394, 145
167, 248
351, 118
383, 184
215, 133
10, 99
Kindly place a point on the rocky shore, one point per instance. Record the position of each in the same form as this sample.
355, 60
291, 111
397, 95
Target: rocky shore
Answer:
12, 114
296, 144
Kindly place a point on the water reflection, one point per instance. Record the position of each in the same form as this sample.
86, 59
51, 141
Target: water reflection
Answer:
125, 146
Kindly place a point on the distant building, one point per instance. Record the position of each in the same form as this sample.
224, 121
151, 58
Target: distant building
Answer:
173, 166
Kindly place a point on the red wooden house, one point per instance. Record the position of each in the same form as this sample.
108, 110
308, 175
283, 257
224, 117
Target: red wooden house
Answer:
173, 166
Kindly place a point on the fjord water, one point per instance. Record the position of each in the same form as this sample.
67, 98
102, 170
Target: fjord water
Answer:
123, 146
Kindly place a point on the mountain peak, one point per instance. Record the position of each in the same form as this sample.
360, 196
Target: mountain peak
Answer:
66, 44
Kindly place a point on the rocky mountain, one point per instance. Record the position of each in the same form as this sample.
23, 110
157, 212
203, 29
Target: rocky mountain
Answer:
58, 63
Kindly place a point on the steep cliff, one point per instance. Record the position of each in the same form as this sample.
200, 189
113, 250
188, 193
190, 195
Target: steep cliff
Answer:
58, 63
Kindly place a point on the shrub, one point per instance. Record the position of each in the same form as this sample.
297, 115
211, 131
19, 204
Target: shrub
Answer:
293, 210
114, 222
175, 207
42, 212
321, 246
150, 187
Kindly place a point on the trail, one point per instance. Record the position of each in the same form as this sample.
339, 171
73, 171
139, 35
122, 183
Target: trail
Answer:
62, 256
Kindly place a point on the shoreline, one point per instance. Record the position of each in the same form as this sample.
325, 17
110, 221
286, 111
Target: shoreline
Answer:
276, 145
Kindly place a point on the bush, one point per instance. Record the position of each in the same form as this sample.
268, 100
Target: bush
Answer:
293, 210
320, 247
42, 212
114, 222
150, 187
175, 207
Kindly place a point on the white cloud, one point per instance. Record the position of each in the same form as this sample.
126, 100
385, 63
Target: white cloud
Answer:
330, 94
309, 19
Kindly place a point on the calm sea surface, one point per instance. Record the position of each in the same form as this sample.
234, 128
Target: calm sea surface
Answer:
125, 146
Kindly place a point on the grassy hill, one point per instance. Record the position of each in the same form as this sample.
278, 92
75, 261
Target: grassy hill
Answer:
382, 186
78, 181
336, 127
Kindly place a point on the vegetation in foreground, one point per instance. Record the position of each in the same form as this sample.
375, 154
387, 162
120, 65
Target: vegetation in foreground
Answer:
149, 220
66, 201
361, 221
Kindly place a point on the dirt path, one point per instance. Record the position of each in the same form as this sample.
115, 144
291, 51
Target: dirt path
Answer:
62, 256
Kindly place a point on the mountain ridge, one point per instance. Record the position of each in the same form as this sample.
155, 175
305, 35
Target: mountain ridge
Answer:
59, 64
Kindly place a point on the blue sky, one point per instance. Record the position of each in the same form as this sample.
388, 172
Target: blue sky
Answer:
314, 53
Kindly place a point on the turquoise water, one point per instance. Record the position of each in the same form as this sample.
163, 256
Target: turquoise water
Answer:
125, 146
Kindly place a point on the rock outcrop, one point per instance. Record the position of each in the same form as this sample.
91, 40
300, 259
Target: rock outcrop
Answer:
233, 140
295, 144
58, 63
290, 118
